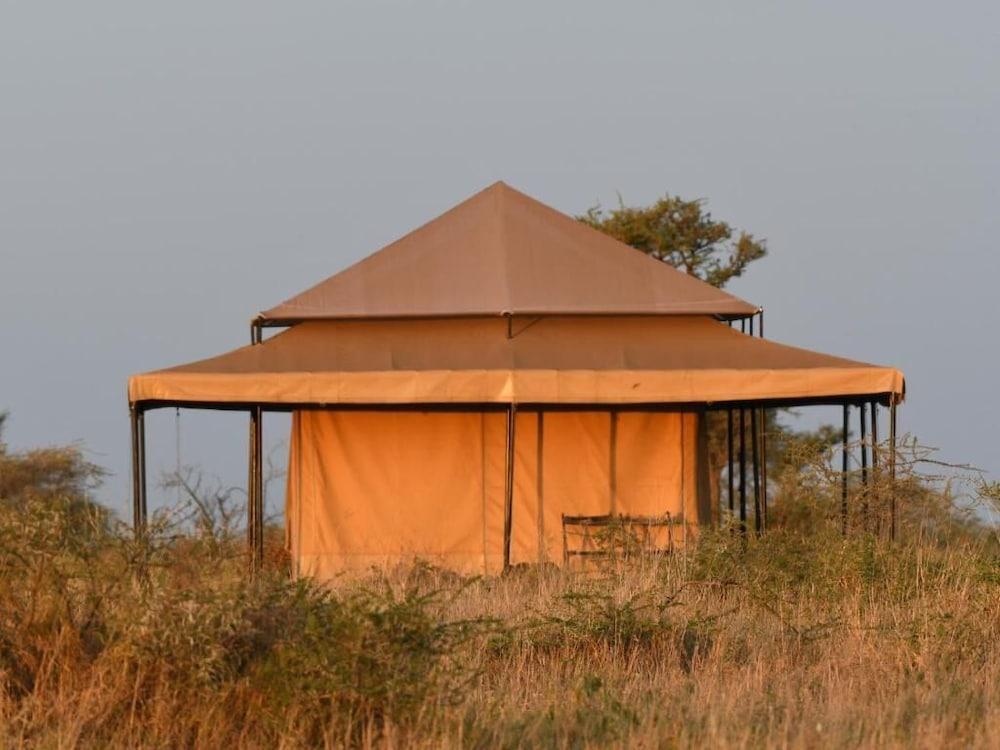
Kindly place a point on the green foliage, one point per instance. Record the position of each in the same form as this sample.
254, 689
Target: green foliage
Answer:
597, 616
373, 652
47, 473
682, 233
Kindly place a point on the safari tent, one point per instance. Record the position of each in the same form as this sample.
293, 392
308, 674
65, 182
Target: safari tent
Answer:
497, 380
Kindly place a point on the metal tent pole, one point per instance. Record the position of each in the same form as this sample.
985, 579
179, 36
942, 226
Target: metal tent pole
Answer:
251, 475
742, 451
755, 462
843, 471
892, 467
729, 450
613, 463
874, 436
763, 445
138, 428
684, 526
508, 506
875, 473
255, 493
259, 489
864, 466
143, 505
540, 484
255, 483
743, 472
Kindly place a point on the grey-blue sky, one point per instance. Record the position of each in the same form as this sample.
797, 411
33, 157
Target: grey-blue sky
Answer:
168, 169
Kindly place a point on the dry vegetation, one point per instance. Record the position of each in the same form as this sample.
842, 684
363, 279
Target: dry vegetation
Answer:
800, 639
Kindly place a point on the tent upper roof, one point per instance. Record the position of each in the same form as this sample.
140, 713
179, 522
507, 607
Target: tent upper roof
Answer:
501, 252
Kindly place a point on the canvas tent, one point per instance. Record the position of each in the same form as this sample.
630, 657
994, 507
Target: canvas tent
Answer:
458, 393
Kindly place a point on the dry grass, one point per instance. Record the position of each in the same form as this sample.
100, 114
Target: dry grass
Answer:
800, 639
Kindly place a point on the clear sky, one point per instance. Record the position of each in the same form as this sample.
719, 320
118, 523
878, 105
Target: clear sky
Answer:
169, 169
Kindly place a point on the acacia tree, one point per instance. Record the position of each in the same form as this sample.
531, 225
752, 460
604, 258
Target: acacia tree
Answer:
682, 233
57, 479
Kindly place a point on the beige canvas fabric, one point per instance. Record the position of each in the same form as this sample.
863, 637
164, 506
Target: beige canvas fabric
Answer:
574, 360
501, 252
378, 488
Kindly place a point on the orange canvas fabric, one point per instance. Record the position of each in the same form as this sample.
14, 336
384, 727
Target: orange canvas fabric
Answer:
502, 252
379, 488
571, 360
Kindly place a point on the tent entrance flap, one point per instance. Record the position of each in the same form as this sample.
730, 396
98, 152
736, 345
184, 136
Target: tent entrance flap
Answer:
378, 488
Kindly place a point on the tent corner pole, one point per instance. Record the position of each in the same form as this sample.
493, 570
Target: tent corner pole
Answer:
892, 467
754, 470
255, 495
763, 446
139, 509
251, 492
508, 506
259, 482
255, 483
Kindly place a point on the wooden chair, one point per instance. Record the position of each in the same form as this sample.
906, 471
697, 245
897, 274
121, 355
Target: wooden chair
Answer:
606, 535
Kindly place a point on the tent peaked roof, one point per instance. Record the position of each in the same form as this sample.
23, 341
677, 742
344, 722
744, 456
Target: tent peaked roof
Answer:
501, 252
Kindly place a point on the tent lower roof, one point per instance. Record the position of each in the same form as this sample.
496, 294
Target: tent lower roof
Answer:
552, 361
524, 387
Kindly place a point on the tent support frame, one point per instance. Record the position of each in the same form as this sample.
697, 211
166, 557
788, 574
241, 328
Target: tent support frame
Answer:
508, 505
478, 406
743, 472
139, 508
844, 457
737, 461
892, 471
758, 516
613, 463
876, 499
540, 484
863, 425
255, 494
763, 447
255, 476
730, 477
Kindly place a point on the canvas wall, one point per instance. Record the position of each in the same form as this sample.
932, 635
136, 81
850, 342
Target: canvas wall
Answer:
381, 487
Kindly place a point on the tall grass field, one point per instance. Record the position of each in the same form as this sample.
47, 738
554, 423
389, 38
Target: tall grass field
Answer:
801, 638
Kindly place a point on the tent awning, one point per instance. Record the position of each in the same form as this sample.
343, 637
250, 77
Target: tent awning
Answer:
557, 360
